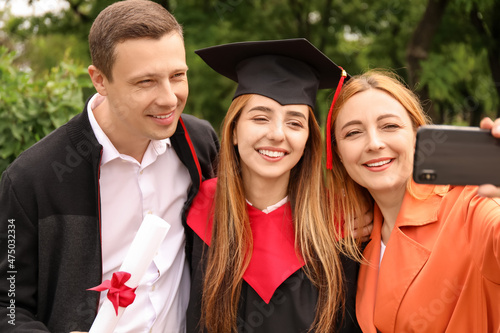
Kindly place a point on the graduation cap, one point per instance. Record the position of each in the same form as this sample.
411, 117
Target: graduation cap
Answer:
289, 71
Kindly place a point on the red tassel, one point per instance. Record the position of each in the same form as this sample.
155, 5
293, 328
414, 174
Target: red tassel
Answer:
329, 153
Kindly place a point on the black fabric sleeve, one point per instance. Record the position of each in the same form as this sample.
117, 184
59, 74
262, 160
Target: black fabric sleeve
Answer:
18, 265
347, 321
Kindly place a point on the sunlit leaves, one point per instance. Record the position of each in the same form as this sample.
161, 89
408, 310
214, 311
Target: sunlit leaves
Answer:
30, 108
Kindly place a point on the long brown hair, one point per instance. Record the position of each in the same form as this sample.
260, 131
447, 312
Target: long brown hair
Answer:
232, 237
351, 198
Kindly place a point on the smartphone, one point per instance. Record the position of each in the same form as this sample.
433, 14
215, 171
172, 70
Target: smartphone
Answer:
456, 155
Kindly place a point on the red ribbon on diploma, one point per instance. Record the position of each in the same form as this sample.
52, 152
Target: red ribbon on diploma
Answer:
119, 294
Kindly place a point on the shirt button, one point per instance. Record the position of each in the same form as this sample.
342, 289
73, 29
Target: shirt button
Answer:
141, 172
153, 288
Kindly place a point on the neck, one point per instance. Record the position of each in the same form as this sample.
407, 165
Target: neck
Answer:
125, 144
263, 193
389, 203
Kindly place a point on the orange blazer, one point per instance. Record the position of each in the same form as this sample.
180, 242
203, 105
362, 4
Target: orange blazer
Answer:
441, 267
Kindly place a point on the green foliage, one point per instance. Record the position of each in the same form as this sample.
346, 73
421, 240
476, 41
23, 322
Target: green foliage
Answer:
40, 50
357, 34
31, 108
459, 82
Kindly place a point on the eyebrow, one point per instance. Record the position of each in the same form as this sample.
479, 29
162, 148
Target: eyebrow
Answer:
153, 74
260, 108
296, 114
289, 113
381, 117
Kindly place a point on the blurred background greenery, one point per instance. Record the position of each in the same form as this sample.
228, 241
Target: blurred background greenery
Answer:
448, 51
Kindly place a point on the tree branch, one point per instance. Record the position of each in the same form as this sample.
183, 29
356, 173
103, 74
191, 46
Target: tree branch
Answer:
420, 43
491, 38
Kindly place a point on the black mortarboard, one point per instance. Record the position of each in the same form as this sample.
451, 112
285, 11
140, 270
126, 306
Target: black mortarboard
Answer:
290, 71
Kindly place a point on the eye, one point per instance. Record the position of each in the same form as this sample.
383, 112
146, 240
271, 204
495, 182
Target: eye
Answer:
145, 83
179, 75
391, 126
352, 133
259, 119
296, 124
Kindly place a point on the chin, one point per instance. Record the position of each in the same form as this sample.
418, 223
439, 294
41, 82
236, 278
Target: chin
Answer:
387, 187
167, 133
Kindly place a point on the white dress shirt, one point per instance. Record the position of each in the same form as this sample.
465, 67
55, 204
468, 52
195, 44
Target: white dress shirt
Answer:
129, 190
382, 251
272, 208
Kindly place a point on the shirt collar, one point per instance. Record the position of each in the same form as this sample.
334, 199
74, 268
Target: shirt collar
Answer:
109, 152
422, 207
418, 209
271, 208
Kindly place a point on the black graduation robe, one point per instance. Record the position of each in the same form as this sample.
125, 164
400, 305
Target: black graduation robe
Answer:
281, 299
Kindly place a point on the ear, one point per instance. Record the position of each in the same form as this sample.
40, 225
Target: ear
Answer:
235, 139
98, 80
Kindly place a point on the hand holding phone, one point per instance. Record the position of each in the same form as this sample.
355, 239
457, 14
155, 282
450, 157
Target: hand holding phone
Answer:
456, 155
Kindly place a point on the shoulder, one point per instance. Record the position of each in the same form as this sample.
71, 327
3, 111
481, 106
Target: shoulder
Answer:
468, 198
198, 135
209, 186
480, 218
200, 214
61, 153
484, 211
463, 203
35, 159
57, 143
200, 132
205, 197
197, 127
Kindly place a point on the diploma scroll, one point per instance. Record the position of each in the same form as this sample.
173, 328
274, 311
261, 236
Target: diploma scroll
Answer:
143, 249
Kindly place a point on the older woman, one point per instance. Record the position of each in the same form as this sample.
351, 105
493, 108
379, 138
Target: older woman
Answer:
433, 262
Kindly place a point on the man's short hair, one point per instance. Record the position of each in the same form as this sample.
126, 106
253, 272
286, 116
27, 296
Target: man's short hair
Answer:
124, 20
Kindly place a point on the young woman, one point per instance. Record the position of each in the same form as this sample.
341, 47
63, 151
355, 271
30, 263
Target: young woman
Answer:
264, 258
433, 262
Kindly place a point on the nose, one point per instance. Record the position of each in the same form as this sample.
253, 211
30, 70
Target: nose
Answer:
375, 141
167, 95
276, 132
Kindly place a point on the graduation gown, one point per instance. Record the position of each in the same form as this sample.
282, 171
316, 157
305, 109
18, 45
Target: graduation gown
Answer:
276, 295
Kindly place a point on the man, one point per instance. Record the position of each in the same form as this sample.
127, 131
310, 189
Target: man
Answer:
71, 204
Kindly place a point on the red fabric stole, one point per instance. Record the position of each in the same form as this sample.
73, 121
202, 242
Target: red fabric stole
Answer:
274, 258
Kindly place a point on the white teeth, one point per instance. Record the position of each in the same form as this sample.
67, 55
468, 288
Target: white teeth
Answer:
162, 117
376, 164
271, 153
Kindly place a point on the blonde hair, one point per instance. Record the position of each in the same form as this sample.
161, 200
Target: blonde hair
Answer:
232, 237
349, 198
